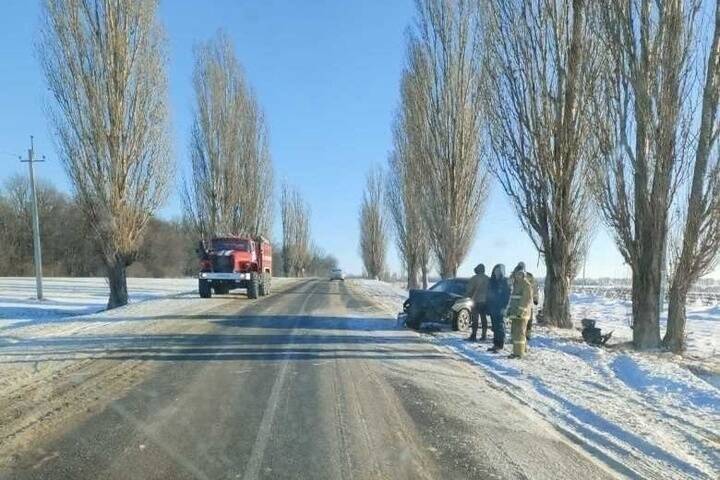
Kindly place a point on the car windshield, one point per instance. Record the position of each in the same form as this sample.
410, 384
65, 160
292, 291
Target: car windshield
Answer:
230, 244
456, 287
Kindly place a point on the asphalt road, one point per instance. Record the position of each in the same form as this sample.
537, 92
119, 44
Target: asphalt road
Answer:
310, 382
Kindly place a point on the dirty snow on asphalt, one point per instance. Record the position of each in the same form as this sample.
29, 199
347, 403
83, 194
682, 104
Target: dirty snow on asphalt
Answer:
645, 415
58, 361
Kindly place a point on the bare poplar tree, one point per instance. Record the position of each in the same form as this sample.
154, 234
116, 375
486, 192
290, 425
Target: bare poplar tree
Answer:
446, 74
373, 229
295, 212
542, 66
643, 139
104, 63
700, 244
230, 188
403, 192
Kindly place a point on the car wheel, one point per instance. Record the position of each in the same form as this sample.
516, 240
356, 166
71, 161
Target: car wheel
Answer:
462, 320
413, 319
412, 322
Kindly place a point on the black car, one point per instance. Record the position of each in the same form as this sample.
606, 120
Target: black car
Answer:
443, 302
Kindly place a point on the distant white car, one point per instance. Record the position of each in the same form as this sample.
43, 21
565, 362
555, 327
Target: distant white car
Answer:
337, 274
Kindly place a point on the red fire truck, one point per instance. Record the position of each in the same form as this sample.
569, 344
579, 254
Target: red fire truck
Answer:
234, 262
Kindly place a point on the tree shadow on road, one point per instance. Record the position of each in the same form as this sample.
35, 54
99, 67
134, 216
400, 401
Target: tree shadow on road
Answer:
242, 338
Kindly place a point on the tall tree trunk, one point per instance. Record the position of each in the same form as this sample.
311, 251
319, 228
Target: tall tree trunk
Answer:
117, 280
687, 270
412, 280
448, 271
556, 304
424, 269
677, 318
646, 300
447, 264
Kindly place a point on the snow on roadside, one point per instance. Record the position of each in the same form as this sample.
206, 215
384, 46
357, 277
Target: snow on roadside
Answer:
703, 322
645, 415
70, 297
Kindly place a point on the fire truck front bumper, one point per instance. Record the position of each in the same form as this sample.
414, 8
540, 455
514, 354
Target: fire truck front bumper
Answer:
224, 276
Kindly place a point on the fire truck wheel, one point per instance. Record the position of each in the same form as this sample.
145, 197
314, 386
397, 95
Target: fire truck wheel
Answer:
204, 289
253, 289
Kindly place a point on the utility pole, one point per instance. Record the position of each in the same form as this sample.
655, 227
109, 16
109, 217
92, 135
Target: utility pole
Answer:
37, 258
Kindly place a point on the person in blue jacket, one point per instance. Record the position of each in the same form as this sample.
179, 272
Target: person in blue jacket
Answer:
498, 296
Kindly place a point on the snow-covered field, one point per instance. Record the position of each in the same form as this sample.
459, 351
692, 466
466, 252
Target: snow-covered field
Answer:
651, 415
69, 297
703, 327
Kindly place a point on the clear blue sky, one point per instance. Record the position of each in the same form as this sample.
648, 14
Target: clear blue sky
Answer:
326, 73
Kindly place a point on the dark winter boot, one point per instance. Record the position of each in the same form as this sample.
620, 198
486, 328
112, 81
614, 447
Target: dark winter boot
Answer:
473, 333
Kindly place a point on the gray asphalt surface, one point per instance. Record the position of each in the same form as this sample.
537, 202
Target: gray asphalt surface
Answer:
310, 382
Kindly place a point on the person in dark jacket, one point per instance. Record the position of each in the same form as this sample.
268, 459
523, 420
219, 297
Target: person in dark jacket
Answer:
497, 298
476, 290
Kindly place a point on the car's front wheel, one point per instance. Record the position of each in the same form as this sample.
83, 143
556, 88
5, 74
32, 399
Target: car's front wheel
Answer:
462, 320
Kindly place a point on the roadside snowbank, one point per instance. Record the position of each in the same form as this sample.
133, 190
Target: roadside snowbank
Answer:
645, 415
69, 297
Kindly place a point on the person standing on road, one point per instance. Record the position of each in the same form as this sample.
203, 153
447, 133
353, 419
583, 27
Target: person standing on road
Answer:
498, 296
521, 268
477, 291
520, 309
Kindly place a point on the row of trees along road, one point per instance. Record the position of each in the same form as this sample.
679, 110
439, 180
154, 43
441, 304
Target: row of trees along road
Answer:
658, 127
105, 66
437, 182
576, 108
299, 256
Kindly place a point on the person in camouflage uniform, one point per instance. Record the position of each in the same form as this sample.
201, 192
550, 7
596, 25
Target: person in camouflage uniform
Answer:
520, 309
535, 292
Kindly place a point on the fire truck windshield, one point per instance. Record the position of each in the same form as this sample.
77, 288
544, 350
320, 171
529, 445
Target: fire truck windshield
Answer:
230, 244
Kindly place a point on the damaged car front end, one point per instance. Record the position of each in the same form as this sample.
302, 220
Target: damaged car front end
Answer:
445, 303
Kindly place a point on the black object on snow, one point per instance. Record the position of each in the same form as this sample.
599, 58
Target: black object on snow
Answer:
593, 335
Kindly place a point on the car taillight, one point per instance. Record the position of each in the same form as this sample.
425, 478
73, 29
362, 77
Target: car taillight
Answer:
243, 266
205, 265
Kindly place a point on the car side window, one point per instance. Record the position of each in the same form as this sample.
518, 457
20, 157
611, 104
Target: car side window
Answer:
458, 288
